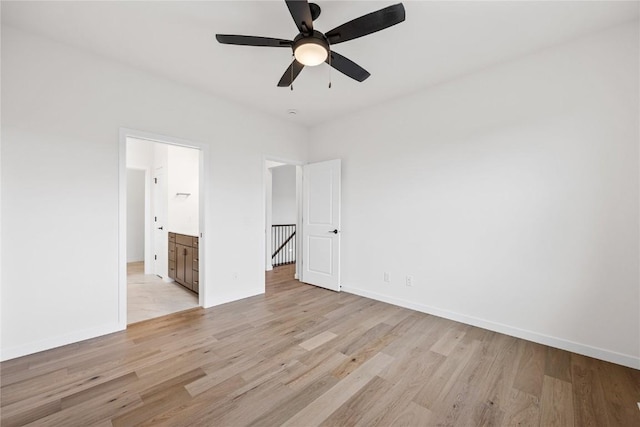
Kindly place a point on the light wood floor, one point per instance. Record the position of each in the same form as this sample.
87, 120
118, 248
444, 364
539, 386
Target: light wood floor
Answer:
148, 296
304, 356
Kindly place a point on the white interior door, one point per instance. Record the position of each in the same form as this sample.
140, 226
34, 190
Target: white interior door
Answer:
321, 224
160, 246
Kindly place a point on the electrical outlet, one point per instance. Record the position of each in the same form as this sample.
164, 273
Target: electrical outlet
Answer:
409, 280
386, 277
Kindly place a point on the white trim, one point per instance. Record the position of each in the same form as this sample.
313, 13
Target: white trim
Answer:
227, 298
586, 350
204, 224
268, 216
122, 230
282, 160
298, 273
58, 341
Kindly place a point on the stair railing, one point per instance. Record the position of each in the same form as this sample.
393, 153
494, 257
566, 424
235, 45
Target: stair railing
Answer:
283, 244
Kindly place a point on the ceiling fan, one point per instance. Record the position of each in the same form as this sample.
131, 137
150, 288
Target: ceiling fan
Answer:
311, 47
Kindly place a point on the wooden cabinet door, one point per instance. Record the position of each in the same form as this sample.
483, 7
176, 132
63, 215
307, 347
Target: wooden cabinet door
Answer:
180, 263
188, 271
196, 266
172, 259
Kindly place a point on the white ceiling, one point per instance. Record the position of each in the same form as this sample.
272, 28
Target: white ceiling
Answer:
437, 42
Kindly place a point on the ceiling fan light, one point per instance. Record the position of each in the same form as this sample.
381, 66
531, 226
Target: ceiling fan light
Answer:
310, 53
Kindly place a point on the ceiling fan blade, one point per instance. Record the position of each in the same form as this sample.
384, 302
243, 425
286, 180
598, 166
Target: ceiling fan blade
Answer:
301, 14
347, 67
367, 24
252, 40
290, 75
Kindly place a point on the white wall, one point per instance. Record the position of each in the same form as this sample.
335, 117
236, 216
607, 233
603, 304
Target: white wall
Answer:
62, 111
183, 177
283, 190
140, 154
510, 194
135, 215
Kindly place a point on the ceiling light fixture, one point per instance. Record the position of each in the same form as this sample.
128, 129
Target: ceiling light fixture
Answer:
312, 50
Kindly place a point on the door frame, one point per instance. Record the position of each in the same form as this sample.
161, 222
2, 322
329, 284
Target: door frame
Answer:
204, 176
266, 191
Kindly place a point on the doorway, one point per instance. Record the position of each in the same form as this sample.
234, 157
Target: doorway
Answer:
163, 211
282, 191
314, 201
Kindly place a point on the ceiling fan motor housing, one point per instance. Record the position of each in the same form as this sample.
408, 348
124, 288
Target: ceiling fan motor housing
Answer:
315, 11
317, 37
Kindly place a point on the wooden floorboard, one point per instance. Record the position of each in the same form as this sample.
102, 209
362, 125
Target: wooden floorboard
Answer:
304, 356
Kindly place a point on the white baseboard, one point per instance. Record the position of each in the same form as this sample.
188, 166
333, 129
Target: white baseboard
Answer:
59, 341
224, 299
586, 350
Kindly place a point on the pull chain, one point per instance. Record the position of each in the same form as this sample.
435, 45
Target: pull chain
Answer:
330, 68
293, 56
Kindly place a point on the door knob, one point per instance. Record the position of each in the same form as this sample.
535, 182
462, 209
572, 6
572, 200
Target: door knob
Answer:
334, 231
160, 228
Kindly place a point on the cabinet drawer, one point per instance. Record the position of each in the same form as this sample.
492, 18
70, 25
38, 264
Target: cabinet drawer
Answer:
172, 252
196, 286
172, 269
195, 242
181, 239
195, 264
172, 237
